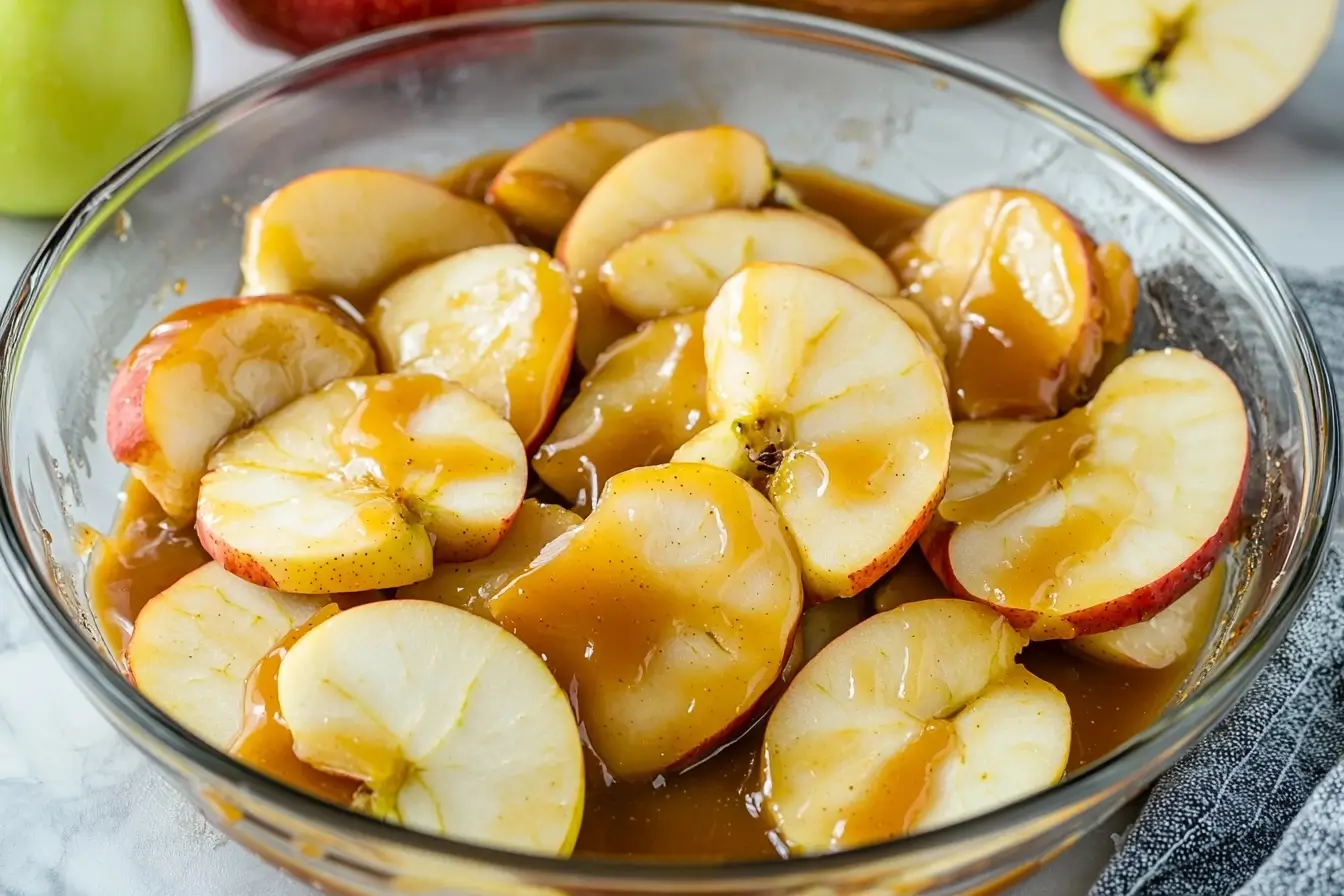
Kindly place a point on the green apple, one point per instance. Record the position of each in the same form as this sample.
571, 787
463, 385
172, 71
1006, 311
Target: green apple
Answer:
82, 84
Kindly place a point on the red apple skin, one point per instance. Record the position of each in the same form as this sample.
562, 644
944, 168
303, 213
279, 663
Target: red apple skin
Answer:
300, 26
235, 562
886, 562
128, 436
1139, 605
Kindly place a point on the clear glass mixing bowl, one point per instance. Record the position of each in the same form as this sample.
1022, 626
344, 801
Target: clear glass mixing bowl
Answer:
909, 118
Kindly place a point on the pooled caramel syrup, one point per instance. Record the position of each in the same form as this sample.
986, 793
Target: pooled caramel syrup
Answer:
712, 812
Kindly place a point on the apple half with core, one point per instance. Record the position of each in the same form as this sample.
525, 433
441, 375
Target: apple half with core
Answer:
232, 362
497, 319
456, 728
349, 232
363, 485
828, 400
667, 616
542, 184
1199, 70
675, 175
912, 720
1103, 517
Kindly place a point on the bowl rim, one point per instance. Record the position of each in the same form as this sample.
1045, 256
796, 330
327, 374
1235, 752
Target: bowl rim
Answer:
1144, 755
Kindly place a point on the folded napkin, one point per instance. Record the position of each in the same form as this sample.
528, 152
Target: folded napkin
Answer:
1257, 807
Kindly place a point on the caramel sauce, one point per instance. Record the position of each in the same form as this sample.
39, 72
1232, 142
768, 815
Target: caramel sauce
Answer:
899, 790
265, 742
712, 811
471, 180
143, 555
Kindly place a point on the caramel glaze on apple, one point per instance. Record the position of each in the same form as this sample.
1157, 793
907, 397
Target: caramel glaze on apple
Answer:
711, 811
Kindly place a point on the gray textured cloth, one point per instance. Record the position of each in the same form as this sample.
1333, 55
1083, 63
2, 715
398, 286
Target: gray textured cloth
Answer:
1257, 807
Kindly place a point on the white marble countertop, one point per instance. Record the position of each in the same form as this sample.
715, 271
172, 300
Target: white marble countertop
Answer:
82, 813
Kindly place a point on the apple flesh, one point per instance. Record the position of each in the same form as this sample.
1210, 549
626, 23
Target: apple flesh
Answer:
643, 399
454, 725
195, 644
362, 485
469, 586
1199, 70
1102, 518
1011, 282
673, 176
679, 266
232, 362
499, 320
82, 85
826, 398
541, 185
667, 616
913, 719
350, 232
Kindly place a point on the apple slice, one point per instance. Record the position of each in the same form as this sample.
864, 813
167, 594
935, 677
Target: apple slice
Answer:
642, 400
195, 644
910, 581
1011, 282
673, 176
1119, 293
363, 485
1102, 518
838, 408
913, 719
541, 185
823, 623
349, 232
1172, 635
679, 266
1200, 70
667, 615
453, 724
469, 586
231, 362
499, 320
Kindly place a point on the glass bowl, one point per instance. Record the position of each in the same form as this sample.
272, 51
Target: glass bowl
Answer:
164, 230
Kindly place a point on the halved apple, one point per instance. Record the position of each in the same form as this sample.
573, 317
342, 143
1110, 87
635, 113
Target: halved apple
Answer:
827, 397
542, 184
1011, 282
670, 177
1102, 518
469, 586
453, 724
363, 485
913, 719
642, 400
1170, 636
231, 362
498, 319
349, 232
667, 615
679, 266
1200, 70
195, 644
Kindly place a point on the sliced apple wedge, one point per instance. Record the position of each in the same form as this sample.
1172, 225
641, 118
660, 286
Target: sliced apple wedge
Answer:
1011, 282
642, 400
840, 409
195, 644
1200, 70
349, 232
680, 265
542, 184
1172, 635
1119, 293
667, 615
499, 320
363, 485
453, 724
823, 623
231, 362
910, 581
1102, 518
670, 177
469, 586
913, 719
